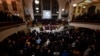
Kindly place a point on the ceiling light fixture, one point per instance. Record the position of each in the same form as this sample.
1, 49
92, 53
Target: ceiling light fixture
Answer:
63, 9
37, 11
37, 8
36, 1
84, 6
74, 5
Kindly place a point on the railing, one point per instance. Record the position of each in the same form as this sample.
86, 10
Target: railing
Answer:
88, 17
2, 24
87, 21
6, 25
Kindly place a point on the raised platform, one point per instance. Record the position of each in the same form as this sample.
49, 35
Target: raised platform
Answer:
86, 25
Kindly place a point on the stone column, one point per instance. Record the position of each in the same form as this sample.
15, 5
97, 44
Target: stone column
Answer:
61, 6
29, 7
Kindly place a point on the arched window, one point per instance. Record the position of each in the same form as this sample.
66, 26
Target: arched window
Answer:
51, 7
14, 5
5, 5
79, 9
55, 6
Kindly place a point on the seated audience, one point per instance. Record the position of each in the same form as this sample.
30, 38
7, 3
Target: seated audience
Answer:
80, 42
6, 18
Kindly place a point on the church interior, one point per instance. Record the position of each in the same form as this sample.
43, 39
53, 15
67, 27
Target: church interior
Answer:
49, 27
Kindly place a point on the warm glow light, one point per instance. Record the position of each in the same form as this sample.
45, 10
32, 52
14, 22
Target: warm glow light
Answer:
63, 9
74, 5
16, 14
36, 1
88, 1
84, 6
95, 0
0, 1
13, 0
37, 11
8, 1
37, 8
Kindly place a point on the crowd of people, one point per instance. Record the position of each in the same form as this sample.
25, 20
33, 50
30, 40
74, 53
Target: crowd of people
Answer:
6, 18
72, 42
89, 17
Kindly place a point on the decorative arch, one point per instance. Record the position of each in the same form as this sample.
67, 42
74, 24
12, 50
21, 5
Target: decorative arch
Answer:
14, 5
5, 5
51, 5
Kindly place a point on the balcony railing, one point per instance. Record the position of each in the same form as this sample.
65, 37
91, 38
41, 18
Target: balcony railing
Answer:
93, 18
87, 21
6, 25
